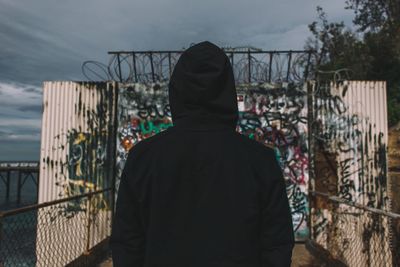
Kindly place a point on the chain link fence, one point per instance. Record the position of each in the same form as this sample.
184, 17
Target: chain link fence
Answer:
68, 232
354, 235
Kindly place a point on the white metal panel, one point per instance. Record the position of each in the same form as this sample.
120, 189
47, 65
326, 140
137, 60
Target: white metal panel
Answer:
360, 143
74, 160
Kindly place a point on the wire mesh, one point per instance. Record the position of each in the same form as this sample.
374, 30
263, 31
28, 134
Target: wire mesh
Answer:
55, 233
354, 234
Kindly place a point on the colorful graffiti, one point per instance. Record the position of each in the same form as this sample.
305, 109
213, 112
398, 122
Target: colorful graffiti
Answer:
78, 160
270, 114
86, 162
276, 115
143, 110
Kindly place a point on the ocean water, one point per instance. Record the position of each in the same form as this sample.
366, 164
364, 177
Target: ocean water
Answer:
18, 232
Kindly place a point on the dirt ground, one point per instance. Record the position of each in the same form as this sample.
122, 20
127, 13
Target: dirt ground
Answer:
300, 258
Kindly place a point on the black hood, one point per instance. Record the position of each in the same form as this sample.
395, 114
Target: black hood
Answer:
202, 88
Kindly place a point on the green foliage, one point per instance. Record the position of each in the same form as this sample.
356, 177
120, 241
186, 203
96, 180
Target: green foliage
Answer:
394, 106
371, 53
375, 15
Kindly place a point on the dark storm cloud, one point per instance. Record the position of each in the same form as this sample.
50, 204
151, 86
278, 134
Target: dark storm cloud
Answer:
34, 108
49, 40
33, 90
19, 150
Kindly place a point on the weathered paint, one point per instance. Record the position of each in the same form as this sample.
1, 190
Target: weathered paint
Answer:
76, 123
349, 121
143, 110
276, 115
351, 162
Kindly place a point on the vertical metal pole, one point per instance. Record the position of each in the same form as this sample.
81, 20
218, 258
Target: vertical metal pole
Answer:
152, 66
8, 185
134, 66
19, 187
249, 62
119, 68
89, 222
114, 151
311, 154
169, 65
37, 185
270, 66
288, 68
307, 66
1, 234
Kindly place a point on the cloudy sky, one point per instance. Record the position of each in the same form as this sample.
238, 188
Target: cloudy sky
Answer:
48, 40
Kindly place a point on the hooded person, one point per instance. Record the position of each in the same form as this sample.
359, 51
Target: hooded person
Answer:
200, 194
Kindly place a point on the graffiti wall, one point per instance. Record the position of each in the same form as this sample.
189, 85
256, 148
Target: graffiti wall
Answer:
75, 136
277, 115
143, 110
75, 158
350, 134
271, 114
348, 148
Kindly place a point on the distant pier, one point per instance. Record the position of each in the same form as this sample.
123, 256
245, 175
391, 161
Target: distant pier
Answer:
24, 169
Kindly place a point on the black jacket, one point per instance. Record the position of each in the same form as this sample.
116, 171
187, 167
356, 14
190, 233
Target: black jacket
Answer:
200, 194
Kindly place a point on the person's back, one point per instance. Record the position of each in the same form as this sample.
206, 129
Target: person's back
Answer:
200, 194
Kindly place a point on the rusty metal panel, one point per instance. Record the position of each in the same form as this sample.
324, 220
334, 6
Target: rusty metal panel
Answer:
75, 158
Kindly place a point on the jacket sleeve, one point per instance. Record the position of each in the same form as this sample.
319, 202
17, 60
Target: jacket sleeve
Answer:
277, 235
127, 241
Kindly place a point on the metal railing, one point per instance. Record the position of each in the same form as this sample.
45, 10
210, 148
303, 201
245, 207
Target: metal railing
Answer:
67, 232
353, 234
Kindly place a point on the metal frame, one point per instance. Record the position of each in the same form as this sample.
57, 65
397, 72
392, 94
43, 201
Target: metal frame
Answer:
249, 65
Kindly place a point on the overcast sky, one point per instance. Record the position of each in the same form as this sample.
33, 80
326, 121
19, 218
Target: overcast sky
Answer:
48, 40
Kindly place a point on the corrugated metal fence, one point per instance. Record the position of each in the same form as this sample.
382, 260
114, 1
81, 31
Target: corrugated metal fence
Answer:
351, 204
330, 140
77, 158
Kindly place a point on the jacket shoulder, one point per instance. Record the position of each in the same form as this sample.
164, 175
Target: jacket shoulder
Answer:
146, 144
255, 146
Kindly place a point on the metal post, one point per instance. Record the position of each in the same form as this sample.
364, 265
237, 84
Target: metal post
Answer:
311, 153
89, 222
37, 185
307, 66
152, 66
119, 68
113, 159
19, 187
1, 233
249, 62
270, 67
169, 64
134, 65
8, 185
288, 69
